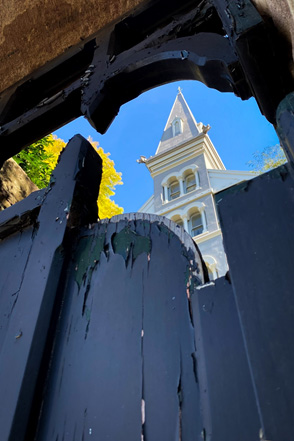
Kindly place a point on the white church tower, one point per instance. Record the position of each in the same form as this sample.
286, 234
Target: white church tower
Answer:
187, 171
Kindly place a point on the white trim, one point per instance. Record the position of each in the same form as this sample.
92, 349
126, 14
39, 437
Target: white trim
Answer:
182, 190
199, 205
207, 235
166, 125
212, 154
197, 179
176, 155
184, 217
167, 180
165, 193
192, 167
169, 177
231, 172
209, 259
211, 264
182, 200
203, 218
189, 110
181, 153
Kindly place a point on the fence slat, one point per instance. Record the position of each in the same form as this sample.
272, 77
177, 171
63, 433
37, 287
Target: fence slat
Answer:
227, 395
122, 367
26, 334
257, 220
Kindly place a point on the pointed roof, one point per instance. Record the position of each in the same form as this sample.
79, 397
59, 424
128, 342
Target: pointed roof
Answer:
190, 128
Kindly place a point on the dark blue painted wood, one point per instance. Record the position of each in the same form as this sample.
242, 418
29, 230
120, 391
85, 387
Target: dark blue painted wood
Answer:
123, 366
257, 219
29, 321
227, 397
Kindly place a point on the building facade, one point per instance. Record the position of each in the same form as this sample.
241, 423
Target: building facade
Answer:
187, 171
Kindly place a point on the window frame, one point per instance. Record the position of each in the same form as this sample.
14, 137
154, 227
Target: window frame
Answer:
201, 225
175, 194
192, 185
177, 122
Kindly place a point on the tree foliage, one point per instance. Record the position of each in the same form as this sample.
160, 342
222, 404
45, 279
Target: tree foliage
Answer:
110, 179
268, 159
39, 160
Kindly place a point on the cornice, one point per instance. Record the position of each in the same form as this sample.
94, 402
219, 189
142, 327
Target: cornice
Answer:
182, 201
222, 174
173, 149
175, 156
212, 154
181, 153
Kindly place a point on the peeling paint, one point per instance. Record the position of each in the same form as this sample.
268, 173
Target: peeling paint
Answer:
87, 256
18, 335
87, 310
192, 281
165, 230
127, 242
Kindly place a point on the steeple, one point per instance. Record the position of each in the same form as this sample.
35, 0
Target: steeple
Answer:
183, 139
180, 127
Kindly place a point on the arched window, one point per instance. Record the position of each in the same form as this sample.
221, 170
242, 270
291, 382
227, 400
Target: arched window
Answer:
178, 220
196, 224
211, 265
190, 183
177, 126
173, 190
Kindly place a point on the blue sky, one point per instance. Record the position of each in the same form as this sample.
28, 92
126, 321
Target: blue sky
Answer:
237, 131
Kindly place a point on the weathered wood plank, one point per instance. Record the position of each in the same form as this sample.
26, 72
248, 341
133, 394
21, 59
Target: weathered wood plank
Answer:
22, 214
95, 382
227, 396
26, 334
171, 391
14, 253
182, 234
258, 215
123, 365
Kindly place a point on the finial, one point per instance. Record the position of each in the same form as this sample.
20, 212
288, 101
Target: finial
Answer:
142, 160
205, 128
180, 90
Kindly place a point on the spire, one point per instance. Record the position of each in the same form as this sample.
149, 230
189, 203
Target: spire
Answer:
180, 127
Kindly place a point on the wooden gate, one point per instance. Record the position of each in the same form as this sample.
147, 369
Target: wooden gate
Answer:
109, 330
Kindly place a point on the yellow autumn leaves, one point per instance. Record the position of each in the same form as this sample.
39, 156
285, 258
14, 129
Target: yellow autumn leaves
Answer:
110, 177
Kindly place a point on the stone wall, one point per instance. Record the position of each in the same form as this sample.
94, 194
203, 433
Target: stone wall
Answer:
34, 32
15, 185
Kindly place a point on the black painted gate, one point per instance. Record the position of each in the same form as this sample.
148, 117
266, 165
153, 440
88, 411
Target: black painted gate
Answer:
109, 332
